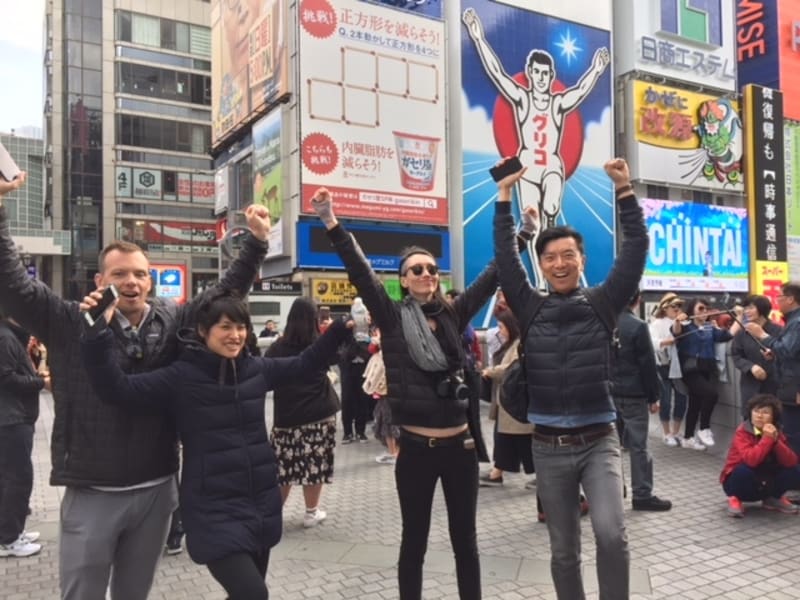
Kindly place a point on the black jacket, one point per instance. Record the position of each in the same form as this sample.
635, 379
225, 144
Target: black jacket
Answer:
567, 349
412, 392
229, 496
307, 400
746, 352
19, 383
97, 444
635, 371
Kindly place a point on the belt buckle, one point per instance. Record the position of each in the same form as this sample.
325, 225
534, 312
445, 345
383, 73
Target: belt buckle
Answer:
563, 440
431, 442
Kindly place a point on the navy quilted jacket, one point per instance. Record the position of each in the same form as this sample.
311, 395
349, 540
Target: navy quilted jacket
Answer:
229, 494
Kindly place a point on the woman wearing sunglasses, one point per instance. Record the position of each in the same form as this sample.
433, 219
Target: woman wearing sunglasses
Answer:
424, 358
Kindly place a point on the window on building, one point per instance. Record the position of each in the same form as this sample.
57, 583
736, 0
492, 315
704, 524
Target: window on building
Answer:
124, 26
200, 40
182, 43
146, 30
658, 192
92, 30
168, 35
701, 197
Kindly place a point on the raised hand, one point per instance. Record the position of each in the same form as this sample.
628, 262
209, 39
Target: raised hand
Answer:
322, 203
617, 170
93, 299
258, 221
470, 19
530, 220
10, 186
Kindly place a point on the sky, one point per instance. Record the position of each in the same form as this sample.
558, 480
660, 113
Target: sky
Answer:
21, 44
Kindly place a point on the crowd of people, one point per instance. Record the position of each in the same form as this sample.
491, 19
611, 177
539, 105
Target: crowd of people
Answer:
177, 398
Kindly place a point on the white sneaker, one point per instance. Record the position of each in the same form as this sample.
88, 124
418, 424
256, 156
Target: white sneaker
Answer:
314, 519
20, 548
706, 437
694, 444
385, 459
30, 536
670, 441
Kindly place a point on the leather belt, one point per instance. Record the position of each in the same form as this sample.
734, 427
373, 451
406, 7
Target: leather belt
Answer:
462, 440
574, 439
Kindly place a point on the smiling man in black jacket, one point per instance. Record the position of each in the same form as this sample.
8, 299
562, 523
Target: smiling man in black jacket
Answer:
118, 466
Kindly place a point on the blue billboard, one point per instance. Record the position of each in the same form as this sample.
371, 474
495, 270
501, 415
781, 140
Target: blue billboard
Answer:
429, 8
696, 247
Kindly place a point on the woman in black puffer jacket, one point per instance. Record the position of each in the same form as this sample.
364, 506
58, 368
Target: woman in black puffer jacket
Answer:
215, 391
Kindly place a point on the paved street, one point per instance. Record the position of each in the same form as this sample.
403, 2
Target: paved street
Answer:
693, 552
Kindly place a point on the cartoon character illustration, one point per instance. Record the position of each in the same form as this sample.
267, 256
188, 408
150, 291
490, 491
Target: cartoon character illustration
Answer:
720, 154
540, 113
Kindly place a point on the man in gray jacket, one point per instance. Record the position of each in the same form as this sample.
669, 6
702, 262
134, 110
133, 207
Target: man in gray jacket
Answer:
635, 387
118, 465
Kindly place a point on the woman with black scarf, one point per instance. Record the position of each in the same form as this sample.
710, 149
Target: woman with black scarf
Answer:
424, 358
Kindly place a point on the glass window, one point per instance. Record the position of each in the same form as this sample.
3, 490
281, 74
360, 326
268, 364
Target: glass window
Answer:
146, 80
92, 82
123, 25
124, 78
658, 192
701, 197
200, 38
199, 139
168, 34
184, 138
244, 196
74, 27
74, 80
92, 30
170, 133
73, 6
92, 57
152, 133
74, 54
182, 37
170, 179
146, 30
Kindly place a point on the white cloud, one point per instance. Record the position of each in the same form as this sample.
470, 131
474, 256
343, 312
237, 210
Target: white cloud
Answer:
598, 143
476, 131
23, 24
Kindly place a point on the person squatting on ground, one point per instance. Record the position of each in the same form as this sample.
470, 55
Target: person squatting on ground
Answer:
120, 473
424, 358
304, 416
635, 387
567, 351
672, 403
750, 356
214, 392
785, 347
19, 409
695, 341
760, 464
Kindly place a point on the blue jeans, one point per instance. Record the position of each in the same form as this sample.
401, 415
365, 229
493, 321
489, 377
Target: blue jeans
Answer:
667, 391
635, 414
744, 483
560, 471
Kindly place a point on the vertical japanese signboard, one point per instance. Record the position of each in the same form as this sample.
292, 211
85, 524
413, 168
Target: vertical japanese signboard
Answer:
765, 187
373, 111
791, 149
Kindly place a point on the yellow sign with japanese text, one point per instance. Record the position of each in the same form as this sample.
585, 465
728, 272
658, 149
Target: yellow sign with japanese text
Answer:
333, 291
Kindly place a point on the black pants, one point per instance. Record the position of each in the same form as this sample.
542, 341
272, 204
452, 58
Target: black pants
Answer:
417, 470
16, 479
702, 387
242, 575
355, 402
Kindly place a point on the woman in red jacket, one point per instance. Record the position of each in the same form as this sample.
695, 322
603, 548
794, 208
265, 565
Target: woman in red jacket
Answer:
760, 464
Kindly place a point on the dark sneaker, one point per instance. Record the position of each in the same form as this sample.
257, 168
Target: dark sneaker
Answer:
174, 544
652, 503
487, 481
362, 438
348, 439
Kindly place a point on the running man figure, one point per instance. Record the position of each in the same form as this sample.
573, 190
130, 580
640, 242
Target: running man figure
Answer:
540, 115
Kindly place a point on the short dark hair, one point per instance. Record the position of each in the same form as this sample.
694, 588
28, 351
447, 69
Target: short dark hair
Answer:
556, 233
121, 246
762, 304
761, 400
222, 304
692, 302
791, 288
541, 57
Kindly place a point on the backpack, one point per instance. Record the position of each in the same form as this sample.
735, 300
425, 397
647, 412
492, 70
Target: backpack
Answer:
514, 387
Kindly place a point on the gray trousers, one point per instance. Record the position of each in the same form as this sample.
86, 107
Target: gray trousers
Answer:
635, 415
560, 471
119, 535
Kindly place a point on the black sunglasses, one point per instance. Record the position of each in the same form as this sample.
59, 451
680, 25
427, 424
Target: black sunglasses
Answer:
418, 269
133, 347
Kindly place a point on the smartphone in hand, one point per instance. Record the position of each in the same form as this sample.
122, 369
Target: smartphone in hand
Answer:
109, 295
8, 168
512, 165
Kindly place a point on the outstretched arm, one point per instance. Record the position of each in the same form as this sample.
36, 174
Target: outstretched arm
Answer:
576, 94
243, 271
508, 87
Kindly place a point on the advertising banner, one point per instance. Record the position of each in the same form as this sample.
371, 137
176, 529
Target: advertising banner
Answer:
537, 87
123, 183
789, 49
676, 39
178, 236
147, 184
695, 247
768, 277
249, 67
221, 183
332, 291
169, 281
268, 175
791, 159
683, 138
429, 8
373, 112
765, 179
757, 50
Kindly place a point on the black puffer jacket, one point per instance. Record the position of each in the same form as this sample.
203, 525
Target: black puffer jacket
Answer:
411, 391
19, 383
567, 349
97, 444
229, 494
635, 371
